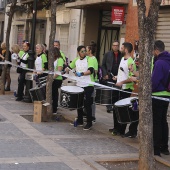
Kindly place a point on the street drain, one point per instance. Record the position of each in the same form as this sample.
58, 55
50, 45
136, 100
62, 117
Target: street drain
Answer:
54, 118
2, 119
28, 117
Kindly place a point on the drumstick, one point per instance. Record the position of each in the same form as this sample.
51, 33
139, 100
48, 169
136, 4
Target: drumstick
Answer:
110, 82
71, 70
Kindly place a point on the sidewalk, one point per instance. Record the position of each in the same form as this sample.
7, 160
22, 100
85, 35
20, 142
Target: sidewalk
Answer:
25, 145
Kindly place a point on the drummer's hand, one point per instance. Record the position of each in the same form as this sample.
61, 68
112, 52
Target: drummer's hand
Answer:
133, 79
67, 70
131, 69
78, 74
55, 76
39, 73
119, 84
106, 77
114, 78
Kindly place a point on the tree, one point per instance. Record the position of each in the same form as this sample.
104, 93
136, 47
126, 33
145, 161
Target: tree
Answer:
51, 57
147, 21
10, 14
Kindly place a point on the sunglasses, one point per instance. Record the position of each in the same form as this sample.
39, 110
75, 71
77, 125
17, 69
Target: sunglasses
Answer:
84, 51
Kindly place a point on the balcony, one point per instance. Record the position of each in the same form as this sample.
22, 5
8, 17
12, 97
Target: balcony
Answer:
87, 3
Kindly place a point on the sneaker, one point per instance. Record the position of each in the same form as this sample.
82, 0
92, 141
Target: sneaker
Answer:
19, 99
55, 113
130, 135
165, 151
78, 123
87, 126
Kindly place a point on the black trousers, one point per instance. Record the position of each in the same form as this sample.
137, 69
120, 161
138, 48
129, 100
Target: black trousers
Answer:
21, 84
160, 125
88, 91
55, 86
133, 126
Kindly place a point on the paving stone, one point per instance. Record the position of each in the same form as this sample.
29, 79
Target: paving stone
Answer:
62, 128
2, 119
8, 129
35, 166
12, 148
95, 146
20, 105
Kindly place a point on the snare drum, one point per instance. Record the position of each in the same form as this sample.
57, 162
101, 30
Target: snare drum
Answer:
38, 93
105, 96
127, 110
72, 97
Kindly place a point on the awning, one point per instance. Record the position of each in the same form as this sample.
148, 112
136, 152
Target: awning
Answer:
87, 3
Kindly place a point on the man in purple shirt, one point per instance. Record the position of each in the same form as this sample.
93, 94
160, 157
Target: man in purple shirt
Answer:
160, 107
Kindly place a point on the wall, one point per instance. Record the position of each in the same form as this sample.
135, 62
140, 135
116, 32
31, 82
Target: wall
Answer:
92, 24
74, 30
131, 23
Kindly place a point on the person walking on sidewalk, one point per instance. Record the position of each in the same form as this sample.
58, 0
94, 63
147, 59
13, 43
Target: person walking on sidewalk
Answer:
110, 65
84, 66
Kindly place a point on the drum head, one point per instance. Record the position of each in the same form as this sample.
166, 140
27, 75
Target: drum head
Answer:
72, 89
124, 102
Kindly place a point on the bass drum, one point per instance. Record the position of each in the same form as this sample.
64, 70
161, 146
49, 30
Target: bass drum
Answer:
72, 97
127, 110
38, 93
105, 96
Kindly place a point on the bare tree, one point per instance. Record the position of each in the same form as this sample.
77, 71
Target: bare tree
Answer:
10, 14
147, 21
51, 57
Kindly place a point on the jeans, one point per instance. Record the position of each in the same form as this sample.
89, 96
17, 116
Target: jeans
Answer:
160, 125
88, 91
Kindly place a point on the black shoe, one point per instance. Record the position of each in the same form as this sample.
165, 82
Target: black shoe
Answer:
93, 120
130, 135
19, 99
7, 89
157, 153
113, 130
87, 126
165, 151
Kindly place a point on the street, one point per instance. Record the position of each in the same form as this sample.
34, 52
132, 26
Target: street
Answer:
57, 145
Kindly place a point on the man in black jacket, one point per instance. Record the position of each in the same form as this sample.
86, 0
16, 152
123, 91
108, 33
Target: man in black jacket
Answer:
110, 65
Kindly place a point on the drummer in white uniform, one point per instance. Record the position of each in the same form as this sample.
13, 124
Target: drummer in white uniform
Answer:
84, 67
126, 84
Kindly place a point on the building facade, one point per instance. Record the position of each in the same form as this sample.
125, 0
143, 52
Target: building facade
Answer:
83, 21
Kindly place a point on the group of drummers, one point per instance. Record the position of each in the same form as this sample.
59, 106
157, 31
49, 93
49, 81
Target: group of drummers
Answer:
118, 70
115, 71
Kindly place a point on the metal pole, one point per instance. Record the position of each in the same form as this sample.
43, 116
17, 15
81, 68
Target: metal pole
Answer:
31, 53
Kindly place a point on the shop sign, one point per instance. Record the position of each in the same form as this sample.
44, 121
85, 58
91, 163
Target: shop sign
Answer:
118, 13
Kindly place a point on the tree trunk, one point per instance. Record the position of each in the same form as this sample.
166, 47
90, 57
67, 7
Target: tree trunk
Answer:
147, 27
4, 67
51, 58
